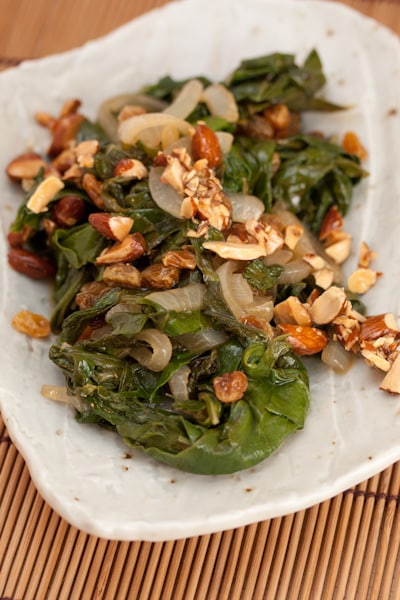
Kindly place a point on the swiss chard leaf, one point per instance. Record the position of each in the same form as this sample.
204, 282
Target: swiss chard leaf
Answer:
260, 276
313, 175
80, 244
276, 78
204, 439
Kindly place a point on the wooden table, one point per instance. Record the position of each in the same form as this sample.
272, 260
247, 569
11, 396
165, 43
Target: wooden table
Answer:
347, 547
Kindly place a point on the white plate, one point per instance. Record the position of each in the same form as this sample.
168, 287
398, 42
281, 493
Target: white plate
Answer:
353, 430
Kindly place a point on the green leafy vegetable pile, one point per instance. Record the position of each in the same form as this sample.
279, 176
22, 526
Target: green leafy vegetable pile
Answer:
98, 337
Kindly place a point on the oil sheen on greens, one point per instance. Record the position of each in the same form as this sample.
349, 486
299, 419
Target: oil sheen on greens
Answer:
200, 434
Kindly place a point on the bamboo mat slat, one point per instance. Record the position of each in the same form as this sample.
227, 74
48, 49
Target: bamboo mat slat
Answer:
345, 548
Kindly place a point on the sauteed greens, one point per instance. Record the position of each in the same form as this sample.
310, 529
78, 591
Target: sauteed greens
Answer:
175, 229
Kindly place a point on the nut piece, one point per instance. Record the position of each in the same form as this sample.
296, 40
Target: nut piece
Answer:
44, 194
131, 248
324, 278
85, 152
236, 251
122, 274
305, 340
332, 221
377, 326
375, 360
230, 387
30, 264
361, 280
114, 227
130, 168
391, 381
69, 210
31, 324
25, 166
339, 251
315, 261
366, 255
328, 305
292, 311
293, 233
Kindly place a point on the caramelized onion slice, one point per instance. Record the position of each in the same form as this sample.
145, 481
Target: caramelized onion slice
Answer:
59, 393
336, 357
107, 115
294, 271
245, 207
221, 102
187, 298
159, 353
235, 289
136, 128
201, 341
163, 194
178, 383
186, 100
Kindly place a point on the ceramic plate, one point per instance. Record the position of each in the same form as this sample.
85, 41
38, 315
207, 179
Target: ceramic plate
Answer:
353, 430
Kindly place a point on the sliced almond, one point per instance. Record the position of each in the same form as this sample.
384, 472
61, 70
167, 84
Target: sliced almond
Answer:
314, 260
391, 381
324, 278
293, 233
366, 255
44, 194
292, 311
328, 305
375, 360
236, 251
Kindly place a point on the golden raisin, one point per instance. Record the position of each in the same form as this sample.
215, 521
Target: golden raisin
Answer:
230, 387
351, 144
31, 324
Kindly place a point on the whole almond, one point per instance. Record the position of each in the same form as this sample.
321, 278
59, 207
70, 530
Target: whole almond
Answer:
18, 238
30, 264
92, 187
64, 132
25, 166
305, 340
205, 144
69, 210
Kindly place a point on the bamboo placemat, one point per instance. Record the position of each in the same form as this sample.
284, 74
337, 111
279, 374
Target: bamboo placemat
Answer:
344, 548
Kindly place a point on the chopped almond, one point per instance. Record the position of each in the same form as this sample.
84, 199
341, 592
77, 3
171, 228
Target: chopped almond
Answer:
361, 280
391, 381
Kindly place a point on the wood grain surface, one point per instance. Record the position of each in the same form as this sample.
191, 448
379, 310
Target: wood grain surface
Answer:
347, 548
